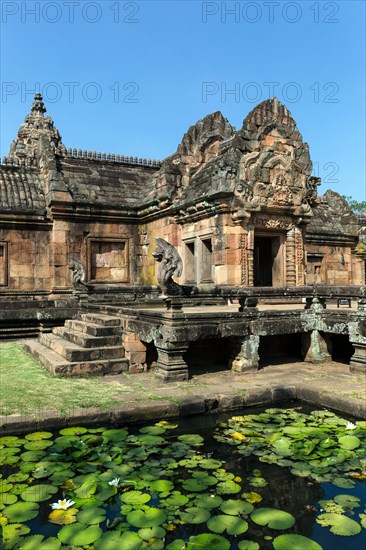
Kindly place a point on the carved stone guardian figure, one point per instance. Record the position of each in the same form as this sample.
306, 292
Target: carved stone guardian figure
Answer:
78, 275
170, 263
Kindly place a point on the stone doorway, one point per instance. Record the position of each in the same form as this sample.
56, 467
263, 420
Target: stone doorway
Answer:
268, 268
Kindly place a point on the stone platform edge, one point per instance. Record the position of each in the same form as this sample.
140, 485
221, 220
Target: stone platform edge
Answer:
133, 413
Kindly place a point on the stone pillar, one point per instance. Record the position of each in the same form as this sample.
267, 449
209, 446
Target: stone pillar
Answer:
316, 347
290, 258
250, 256
299, 257
170, 364
358, 359
245, 356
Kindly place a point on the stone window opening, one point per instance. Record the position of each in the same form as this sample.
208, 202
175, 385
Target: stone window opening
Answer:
198, 260
3, 264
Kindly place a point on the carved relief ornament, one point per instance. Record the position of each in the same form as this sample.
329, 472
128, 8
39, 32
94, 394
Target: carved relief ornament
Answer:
274, 223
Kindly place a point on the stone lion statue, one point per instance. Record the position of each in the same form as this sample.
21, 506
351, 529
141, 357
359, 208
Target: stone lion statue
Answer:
170, 263
78, 274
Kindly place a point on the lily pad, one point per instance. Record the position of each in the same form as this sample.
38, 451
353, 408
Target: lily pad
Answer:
161, 486
149, 517
38, 445
77, 430
7, 498
37, 436
13, 531
152, 430
295, 542
339, 524
249, 545
233, 525
347, 501
91, 516
135, 498
210, 463
79, 535
236, 507
252, 497
38, 493
343, 482
149, 533
208, 540
111, 540
227, 487
209, 502
275, 519
131, 541
63, 517
191, 439
37, 542
21, 511
195, 515
349, 442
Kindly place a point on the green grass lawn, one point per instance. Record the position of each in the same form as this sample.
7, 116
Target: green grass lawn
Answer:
27, 388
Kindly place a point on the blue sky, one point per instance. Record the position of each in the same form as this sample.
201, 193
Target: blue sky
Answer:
131, 77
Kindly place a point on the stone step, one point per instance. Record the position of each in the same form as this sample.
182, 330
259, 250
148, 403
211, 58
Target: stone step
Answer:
100, 319
85, 341
73, 352
92, 329
56, 364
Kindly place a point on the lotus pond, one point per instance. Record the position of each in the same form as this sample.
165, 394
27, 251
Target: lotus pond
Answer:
282, 479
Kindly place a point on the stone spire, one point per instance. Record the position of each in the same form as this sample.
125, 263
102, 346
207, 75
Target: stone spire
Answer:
35, 129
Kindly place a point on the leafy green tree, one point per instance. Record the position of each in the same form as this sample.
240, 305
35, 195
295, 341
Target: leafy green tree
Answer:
356, 206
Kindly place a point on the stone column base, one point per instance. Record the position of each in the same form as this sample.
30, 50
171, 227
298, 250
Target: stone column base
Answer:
358, 359
316, 347
245, 357
170, 365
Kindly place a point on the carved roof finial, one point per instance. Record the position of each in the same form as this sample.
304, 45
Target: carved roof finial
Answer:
38, 107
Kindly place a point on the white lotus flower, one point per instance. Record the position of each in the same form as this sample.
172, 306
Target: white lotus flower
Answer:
350, 426
62, 504
114, 482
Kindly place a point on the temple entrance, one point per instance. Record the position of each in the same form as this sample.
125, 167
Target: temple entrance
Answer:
268, 269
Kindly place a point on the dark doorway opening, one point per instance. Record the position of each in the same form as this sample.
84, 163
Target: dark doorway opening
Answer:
267, 264
151, 354
211, 355
342, 349
279, 349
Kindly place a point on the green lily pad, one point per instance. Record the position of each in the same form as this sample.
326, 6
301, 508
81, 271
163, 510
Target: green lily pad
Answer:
166, 425
257, 481
91, 516
344, 482
149, 517
38, 445
14, 531
178, 544
149, 533
32, 456
5, 487
79, 535
77, 430
131, 541
87, 489
295, 542
347, 501
339, 524
111, 540
208, 540
191, 439
175, 500
18, 477
37, 436
152, 430
38, 493
194, 485
210, 463
161, 486
37, 542
236, 507
11, 441
135, 498
227, 487
349, 442
233, 525
7, 498
21, 511
249, 545
363, 519
209, 502
195, 515
275, 519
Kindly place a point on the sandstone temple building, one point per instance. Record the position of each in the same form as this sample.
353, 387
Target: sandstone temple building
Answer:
78, 231
241, 206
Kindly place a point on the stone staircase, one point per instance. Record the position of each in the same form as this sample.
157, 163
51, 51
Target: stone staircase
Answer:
90, 344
